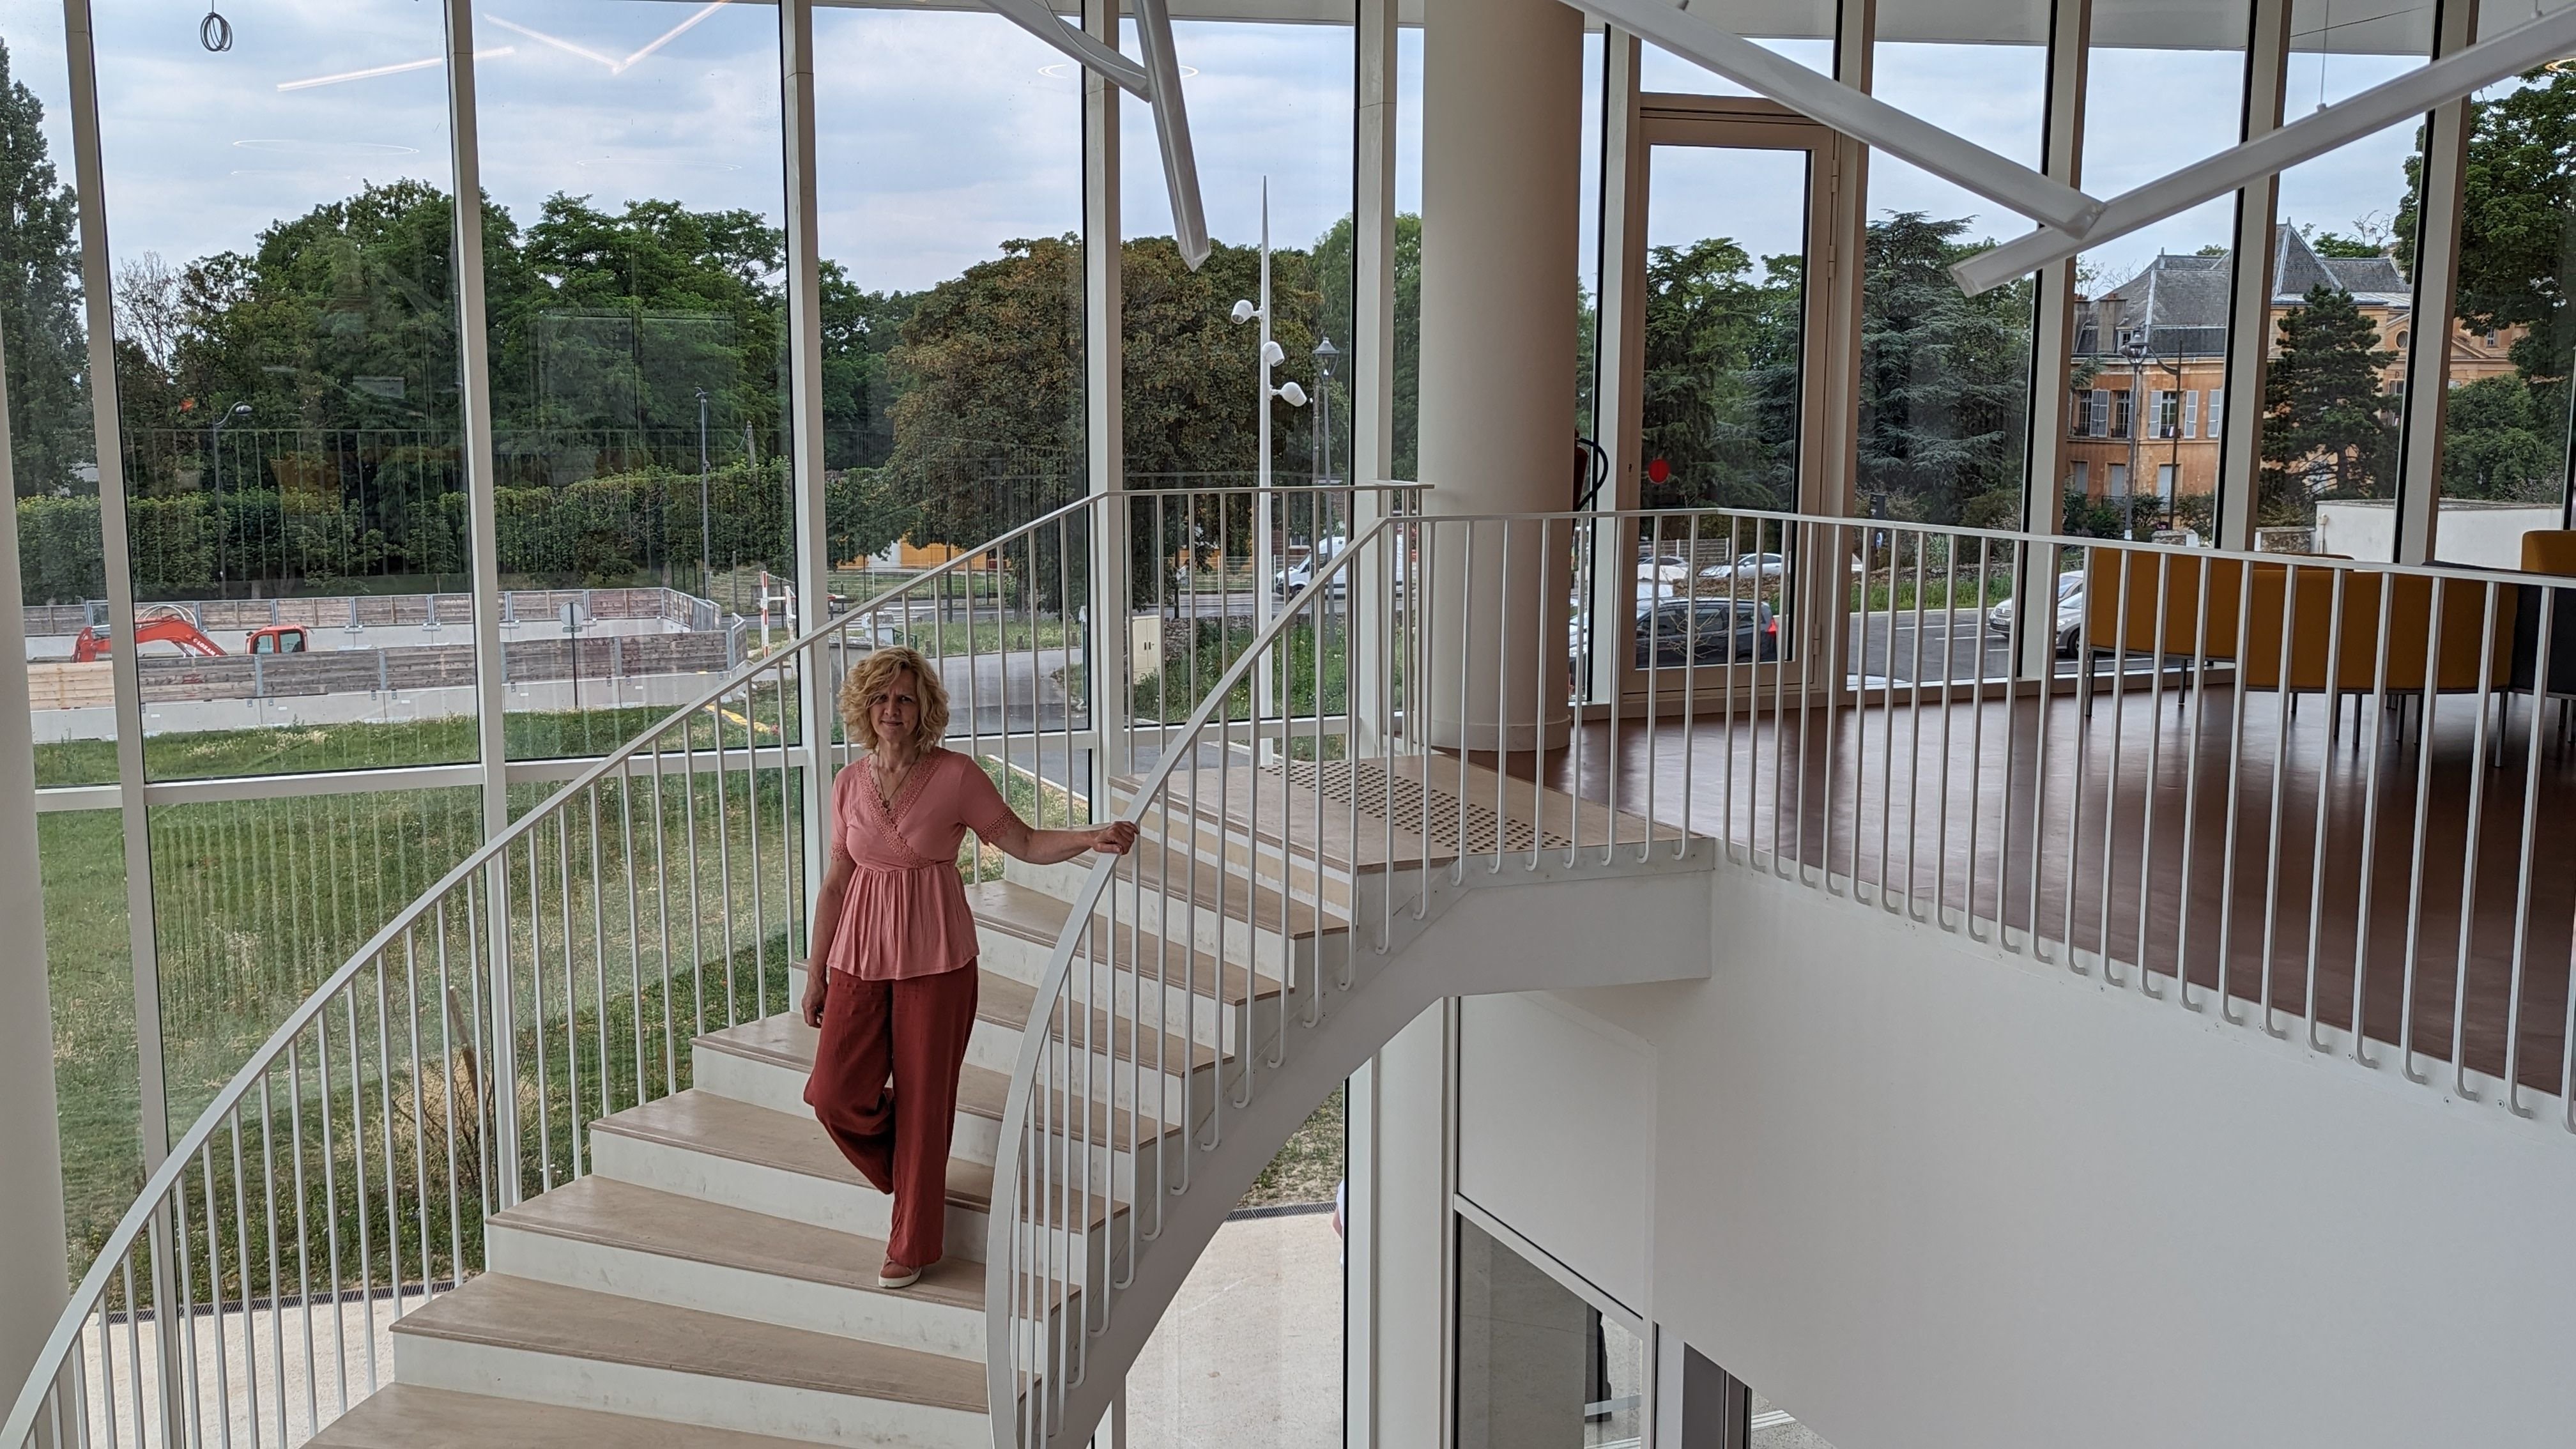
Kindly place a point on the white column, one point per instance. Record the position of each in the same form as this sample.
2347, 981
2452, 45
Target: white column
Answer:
1502, 126
1621, 409
32, 1265
817, 692
1104, 426
1372, 344
98, 287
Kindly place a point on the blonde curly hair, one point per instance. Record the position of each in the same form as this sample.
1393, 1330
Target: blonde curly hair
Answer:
873, 676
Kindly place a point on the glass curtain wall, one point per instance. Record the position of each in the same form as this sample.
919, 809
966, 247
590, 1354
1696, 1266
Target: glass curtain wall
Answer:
2147, 381
2512, 344
2342, 295
1944, 377
950, 156
278, 227
635, 266
1802, 30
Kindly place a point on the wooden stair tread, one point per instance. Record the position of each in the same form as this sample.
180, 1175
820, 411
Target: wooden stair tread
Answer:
599, 1210
404, 1416
1033, 915
500, 1311
789, 1044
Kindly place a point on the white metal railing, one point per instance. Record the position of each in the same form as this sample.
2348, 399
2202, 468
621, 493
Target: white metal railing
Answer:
2094, 753
452, 1065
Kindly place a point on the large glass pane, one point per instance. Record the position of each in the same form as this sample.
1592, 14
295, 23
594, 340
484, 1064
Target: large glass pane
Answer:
1945, 378
2147, 385
1726, 294
2512, 341
286, 376
1538, 1366
2341, 295
255, 902
950, 147
97, 1065
635, 261
1273, 112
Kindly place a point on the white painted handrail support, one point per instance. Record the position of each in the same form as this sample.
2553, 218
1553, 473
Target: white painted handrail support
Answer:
1157, 82
1853, 112
2415, 93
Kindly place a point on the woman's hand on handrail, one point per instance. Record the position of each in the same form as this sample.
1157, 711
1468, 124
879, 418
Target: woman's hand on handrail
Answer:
1054, 847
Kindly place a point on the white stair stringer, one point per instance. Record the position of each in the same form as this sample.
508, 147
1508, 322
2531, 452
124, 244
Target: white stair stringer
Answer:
1523, 928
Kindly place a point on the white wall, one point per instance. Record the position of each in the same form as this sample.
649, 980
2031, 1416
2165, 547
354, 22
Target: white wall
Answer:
1572, 1169
1924, 1196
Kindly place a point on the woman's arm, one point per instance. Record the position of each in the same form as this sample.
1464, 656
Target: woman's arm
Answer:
827, 925
1053, 847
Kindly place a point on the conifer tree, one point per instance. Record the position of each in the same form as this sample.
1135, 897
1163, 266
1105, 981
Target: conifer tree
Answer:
2328, 427
39, 298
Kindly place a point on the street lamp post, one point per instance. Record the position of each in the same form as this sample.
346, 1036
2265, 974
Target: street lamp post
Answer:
2137, 353
1325, 354
706, 533
215, 461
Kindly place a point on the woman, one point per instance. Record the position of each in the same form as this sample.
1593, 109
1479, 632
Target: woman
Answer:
892, 978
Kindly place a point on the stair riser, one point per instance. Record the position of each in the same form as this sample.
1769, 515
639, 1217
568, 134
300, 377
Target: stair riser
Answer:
848, 1207
1213, 841
1209, 931
894, 1319
812, 1415
1026, 961
977, 1138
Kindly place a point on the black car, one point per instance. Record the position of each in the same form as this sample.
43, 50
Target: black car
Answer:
1725, 630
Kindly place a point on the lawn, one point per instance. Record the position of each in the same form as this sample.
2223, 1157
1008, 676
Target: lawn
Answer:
258, 901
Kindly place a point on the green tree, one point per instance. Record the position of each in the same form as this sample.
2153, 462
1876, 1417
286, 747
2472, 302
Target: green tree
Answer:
2517, 195
39, 299
1721, 375
1335, 269
1944, 376
2505, 439
2327, 426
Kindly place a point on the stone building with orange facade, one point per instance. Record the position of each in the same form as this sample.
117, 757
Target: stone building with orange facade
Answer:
2149, 386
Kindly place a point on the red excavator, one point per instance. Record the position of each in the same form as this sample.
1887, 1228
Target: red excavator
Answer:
173, 626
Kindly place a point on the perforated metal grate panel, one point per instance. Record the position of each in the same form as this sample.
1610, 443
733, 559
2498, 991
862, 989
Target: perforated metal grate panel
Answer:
1430, 812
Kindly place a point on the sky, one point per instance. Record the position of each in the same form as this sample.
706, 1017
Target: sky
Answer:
940, 134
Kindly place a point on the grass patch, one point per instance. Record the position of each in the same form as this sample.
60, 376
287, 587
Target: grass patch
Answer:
1310, 1166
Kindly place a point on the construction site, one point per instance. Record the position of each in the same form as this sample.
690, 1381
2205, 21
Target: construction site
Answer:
250, 663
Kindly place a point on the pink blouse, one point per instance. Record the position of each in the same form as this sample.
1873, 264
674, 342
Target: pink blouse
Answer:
905, 914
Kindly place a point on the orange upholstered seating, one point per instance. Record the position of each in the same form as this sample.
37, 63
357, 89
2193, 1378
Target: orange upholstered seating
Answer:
2177, 606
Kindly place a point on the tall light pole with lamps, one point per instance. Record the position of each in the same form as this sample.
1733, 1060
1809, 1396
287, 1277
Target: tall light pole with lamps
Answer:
1271, 355
2137, 354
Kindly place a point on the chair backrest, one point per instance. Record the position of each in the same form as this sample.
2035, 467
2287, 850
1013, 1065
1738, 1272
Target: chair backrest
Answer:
2549, 551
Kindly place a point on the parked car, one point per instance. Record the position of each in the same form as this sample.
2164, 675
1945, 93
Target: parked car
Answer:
1747, 567
1664, 571
1301, 573
1706, 631
2070, 613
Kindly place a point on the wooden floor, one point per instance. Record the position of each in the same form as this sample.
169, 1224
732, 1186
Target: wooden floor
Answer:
2427, 893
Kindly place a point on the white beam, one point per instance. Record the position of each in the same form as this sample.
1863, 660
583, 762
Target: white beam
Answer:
1172, 129
1852, 112
2407, 96
1034, 17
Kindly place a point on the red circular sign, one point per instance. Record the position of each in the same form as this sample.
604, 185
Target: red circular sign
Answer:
1659, 471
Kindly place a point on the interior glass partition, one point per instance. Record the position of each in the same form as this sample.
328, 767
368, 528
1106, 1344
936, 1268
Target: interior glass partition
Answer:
2342, 295
635, 268
1541, 1366
279, 230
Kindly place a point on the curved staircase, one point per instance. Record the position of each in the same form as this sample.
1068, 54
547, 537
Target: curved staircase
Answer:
629, 1252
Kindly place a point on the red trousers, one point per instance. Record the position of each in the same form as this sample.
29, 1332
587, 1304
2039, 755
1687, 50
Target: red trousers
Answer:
913, 1032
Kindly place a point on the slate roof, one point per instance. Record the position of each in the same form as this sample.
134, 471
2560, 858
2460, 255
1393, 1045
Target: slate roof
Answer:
2183, 301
